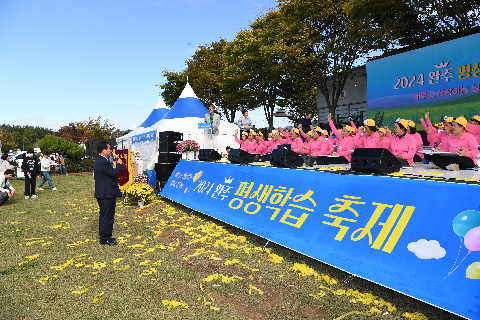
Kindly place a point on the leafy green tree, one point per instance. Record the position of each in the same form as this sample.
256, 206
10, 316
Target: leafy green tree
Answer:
54, 144
412, 22
206, 72
91, 129
330, 44
7, 139
25, 137
259, 59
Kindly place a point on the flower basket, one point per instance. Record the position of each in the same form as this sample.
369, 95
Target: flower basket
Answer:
140, 193
188, 145
140, 178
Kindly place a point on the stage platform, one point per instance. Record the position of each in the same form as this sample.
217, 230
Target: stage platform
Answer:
416, 171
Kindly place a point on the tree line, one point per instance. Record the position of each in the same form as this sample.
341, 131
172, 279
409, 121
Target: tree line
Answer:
301, 46
75, 133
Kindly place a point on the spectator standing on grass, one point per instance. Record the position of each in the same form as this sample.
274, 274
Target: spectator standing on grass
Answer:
4, 165
61, 163
6, 189
106, 191
31, 171
45, 164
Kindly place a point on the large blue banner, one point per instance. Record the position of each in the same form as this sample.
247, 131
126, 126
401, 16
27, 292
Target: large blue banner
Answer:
419, 237
443, 78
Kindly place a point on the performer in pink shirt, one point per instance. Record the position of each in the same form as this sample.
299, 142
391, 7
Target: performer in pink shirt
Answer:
460, 142
275, 141
251, 142
431, 137
403, 145
287, 138
318, 146
306, 149
369, 138
447, 130
296, 141
344, 144
330, 141
474, 127
383, 140
412, 130
243, 144
261, 144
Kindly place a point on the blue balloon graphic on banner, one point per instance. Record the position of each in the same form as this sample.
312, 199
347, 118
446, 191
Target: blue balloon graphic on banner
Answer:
465, 221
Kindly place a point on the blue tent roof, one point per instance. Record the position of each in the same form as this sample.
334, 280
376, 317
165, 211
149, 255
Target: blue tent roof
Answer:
186, 107
155, 116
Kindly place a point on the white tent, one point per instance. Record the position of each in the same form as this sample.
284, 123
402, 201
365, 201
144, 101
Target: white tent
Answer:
184, 116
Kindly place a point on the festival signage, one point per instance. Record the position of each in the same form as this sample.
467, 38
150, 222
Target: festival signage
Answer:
419, 237
443, 79
203, 125
151, 135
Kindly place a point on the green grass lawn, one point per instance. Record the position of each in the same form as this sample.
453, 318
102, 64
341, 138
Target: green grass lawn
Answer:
171, 263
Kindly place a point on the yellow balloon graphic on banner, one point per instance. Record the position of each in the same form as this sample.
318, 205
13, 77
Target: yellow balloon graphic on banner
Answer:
473, 271
197, 176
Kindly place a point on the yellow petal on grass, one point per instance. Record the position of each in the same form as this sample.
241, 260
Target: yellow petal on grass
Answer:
29, 259
117, 260
46, 278
118, 268
147, 272
173, 304
145, 263
251, 287
373, 311
275, 258
86, 218
81, 290
137, 246
95, 300
318, 295
2, 243
281, 275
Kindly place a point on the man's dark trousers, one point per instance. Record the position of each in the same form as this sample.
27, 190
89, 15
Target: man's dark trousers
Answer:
106, 218
30, 185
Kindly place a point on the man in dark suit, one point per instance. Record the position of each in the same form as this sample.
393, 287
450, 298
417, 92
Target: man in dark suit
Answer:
106, 191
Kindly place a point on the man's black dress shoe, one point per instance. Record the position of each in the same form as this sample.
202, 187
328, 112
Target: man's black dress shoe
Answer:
112, 239
108, 242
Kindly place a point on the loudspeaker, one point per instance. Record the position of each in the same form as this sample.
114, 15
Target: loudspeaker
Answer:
374, 160
284, 146
171, 136
240, 157
168, 146
283, 157
208, 155
91, 146
169, 157
159, 185
164, 170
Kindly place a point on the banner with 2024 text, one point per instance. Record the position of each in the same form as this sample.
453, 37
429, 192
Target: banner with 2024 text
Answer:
419, 237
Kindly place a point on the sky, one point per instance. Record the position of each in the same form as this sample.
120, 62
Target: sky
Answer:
64, 61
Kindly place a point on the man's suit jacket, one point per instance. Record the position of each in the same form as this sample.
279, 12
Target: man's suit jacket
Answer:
216, 123
106, 185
